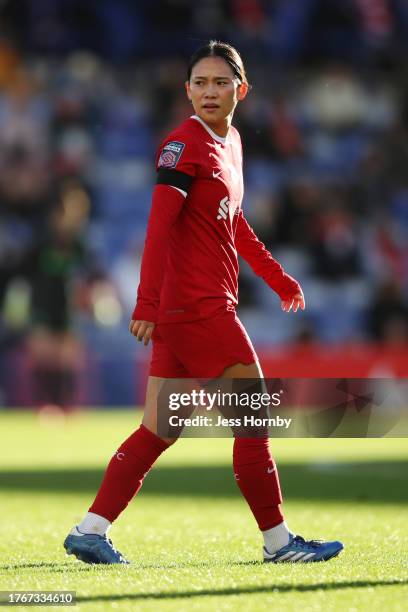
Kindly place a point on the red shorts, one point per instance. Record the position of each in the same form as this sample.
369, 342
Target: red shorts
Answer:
201, 349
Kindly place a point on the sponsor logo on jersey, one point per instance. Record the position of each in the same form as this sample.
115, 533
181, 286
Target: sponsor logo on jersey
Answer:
170, 154
223, 209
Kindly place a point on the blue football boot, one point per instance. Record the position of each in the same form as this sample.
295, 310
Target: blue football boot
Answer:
93, 548
301, 551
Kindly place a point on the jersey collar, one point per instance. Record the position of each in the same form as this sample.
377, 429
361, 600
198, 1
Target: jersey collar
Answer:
209, 130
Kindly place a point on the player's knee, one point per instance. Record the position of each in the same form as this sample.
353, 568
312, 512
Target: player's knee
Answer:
151, 426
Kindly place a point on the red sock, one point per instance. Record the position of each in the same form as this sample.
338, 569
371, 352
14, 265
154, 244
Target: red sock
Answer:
126, 471
257, 477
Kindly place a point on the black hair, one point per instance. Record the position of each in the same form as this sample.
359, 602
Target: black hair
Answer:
216, 48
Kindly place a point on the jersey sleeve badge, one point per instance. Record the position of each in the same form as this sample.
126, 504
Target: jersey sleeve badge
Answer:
171, 154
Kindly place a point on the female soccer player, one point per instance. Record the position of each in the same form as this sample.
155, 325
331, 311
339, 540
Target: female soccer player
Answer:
186, 304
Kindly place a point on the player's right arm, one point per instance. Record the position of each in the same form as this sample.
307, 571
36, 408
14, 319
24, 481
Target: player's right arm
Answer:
176, 169
166, 206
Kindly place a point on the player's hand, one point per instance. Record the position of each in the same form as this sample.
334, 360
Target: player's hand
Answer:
142, 330
298, 301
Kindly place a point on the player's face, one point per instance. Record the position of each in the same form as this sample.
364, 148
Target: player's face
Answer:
214, 91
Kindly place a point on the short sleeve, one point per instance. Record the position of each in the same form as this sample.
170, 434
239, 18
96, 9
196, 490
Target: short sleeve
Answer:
179, 152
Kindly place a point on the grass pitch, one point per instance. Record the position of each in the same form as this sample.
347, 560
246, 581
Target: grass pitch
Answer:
193, 543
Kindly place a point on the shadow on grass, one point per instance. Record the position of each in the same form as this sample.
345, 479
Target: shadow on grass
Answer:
58, 567
74, 566
381, 482
285, 588
39, 565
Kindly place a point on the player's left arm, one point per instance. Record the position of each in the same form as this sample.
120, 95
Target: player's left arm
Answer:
264, 265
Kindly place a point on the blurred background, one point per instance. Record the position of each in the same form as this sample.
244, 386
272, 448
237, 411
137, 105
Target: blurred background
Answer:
88, 89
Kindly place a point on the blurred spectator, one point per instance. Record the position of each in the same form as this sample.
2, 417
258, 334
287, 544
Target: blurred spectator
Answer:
285, 133
296, 222
53, 266
388, 314
335, 99
335, 248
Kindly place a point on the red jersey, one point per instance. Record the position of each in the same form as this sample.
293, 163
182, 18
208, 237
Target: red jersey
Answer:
197, 229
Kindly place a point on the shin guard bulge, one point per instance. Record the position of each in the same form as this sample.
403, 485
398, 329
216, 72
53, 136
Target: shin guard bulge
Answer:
126, 471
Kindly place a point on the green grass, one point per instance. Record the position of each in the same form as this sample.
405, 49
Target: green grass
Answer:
192, 541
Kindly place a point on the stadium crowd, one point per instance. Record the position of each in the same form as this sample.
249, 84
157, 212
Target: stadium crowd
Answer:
85, 96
